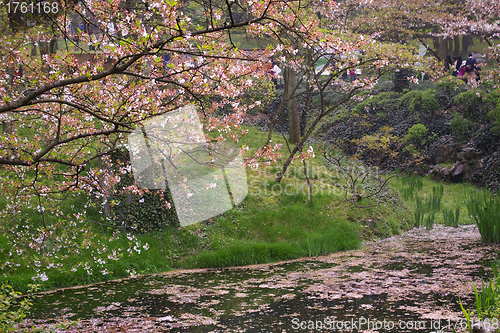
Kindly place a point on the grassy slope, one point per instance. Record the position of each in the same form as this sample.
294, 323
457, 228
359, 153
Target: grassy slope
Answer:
275, 222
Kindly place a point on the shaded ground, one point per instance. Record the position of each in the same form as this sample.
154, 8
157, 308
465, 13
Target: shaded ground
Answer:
413, 282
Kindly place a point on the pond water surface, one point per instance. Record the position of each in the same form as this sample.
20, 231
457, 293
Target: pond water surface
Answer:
409, 283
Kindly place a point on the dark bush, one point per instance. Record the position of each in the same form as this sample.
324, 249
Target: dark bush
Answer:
468, 102
421, 101
142, 213
385, 101
417, 134
446, 91
485, 139
459, 126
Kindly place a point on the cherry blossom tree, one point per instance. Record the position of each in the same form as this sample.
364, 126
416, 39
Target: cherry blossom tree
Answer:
119, 64
65, 114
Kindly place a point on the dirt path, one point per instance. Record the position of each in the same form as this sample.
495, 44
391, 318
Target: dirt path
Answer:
409, 283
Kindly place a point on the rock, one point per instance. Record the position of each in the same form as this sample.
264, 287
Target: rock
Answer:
444, 172
444, 150
468, 155
459, 172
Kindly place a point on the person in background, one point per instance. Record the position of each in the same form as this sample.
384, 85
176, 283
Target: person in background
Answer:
462, 71
455, 71
352, 75
448, 63
471, 68
458, 64
275, 71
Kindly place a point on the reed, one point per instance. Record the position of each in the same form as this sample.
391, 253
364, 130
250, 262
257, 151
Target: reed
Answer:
485, 209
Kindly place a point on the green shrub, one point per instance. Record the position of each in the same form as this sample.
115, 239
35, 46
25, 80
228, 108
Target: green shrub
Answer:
488, 299
9, 299
459, 126
468, 101
485, 209
447, 88
492, 103
417, 134
491, 99
382, 101
144, 213
421, 101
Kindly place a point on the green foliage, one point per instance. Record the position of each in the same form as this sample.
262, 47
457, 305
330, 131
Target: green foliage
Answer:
379, 147
469, 101
492, 102
485, 209
13, 307
429, 220
421, 101
382, 101
492, 99
331, 241
240, 254
451, 218
459, 126
488, 299
417, 134
144, 213
447, 88
453, 197
467, 315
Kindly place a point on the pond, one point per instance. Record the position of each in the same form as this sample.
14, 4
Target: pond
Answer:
408, 283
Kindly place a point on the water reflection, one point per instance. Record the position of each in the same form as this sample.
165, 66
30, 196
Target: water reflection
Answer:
417, 278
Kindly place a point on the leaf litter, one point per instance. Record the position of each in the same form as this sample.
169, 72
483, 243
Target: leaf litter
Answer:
417, 276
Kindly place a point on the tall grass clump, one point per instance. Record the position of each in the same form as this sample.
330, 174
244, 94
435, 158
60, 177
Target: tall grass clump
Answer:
487, 301
430, 206
414, 185
485, 209
241, 254
451, 218
334, 238
330, 241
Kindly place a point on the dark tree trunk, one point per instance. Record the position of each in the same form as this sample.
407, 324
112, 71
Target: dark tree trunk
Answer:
466, 42
291, 105
442, 48
456, 48
307, 108
400, 80
436, 46
7, 127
